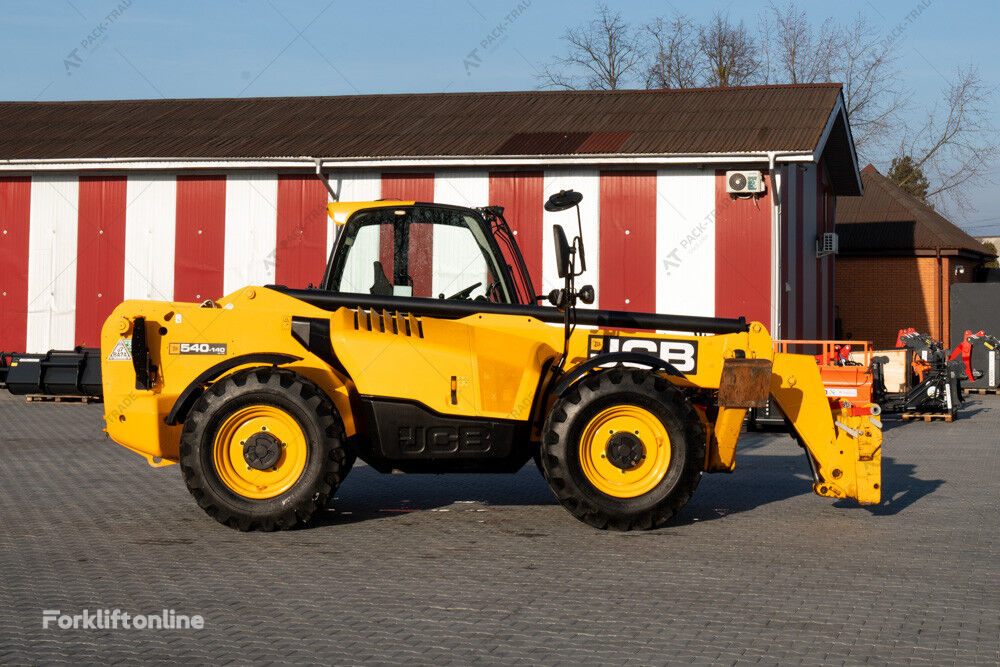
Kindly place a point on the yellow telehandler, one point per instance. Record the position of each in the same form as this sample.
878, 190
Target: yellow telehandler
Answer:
424, 350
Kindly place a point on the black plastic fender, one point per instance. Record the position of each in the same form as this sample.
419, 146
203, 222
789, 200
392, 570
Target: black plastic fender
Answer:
193, 391
640, 358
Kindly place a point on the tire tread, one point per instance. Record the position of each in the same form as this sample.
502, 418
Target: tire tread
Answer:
335, 460
555, 449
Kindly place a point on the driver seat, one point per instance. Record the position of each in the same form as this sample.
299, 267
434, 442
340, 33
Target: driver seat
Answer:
381, 286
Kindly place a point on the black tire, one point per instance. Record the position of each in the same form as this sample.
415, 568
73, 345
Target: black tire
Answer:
350, 458
564, 426
325, 451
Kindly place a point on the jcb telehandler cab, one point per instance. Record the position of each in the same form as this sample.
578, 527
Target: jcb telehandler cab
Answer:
424, 350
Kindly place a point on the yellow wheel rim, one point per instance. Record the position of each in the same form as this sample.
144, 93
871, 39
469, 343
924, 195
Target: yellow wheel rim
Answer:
278, 454
625, 451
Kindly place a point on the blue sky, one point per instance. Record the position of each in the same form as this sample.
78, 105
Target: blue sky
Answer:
80, 49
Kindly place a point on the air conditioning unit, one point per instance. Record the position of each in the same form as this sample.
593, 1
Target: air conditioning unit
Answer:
744, 182
827, 244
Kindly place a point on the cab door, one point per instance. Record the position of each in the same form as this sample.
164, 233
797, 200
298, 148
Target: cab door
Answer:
412, 252
416, 376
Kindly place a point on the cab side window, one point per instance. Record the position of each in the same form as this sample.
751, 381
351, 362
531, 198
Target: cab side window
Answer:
358, 275
424, 252
457, 264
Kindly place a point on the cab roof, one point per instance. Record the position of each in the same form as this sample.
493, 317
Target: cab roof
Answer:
340, 211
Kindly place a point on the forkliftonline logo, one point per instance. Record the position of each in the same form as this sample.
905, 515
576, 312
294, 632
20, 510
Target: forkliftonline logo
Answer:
198, 348
113, 619
681, 354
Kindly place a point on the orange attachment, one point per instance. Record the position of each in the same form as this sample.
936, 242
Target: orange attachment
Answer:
854, 382
919, 368
841, 381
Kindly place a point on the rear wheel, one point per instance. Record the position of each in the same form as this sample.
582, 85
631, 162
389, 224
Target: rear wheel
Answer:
623, 449
263, 449
350, 458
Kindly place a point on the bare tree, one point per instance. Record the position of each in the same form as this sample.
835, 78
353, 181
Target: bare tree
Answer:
956, 141
798, 50
865, 64
803, 53
676, 60
605, 54
686, 55
730, 52
765, 67
954, 146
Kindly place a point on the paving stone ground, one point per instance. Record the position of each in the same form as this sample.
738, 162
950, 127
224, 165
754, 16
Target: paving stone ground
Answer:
466, 569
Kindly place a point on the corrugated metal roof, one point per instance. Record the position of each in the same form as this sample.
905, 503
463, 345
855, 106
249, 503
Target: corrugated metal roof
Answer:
720, 120
887, 219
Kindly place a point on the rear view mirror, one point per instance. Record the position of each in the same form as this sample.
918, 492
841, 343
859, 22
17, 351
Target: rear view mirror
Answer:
562, 251
563, 200
560, 201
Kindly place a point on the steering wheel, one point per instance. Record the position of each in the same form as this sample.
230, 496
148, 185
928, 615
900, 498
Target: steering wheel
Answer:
464, 294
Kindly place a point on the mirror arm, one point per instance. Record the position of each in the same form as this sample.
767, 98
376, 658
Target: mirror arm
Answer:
579, 224
579, 241
568, 306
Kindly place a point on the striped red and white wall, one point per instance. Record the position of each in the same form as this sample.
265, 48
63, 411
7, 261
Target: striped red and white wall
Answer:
667, 240
808, 306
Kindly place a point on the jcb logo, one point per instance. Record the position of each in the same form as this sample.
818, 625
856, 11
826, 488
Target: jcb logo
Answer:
681, 354
444, 439
198, 348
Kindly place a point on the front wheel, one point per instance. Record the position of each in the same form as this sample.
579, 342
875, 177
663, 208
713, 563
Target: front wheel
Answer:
623, 449
263, 449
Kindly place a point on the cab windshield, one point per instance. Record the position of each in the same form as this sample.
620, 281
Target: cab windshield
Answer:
419, 251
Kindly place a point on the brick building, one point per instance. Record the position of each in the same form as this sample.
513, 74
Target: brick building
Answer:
898, 260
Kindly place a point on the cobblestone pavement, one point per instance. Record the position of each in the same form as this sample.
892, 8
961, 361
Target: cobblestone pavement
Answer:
460, 569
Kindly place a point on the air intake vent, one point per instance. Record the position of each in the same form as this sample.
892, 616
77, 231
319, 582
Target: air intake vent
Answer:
392, 322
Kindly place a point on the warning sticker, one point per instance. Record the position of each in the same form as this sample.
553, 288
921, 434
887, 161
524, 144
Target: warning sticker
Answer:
122, 351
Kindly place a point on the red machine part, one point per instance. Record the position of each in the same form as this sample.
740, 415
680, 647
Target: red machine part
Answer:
843, 353
860, 410
903, 332
839, 356
844, 380
965, 350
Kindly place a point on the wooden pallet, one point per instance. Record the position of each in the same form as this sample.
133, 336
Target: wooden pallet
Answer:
980, 390
44, 398
929, 416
